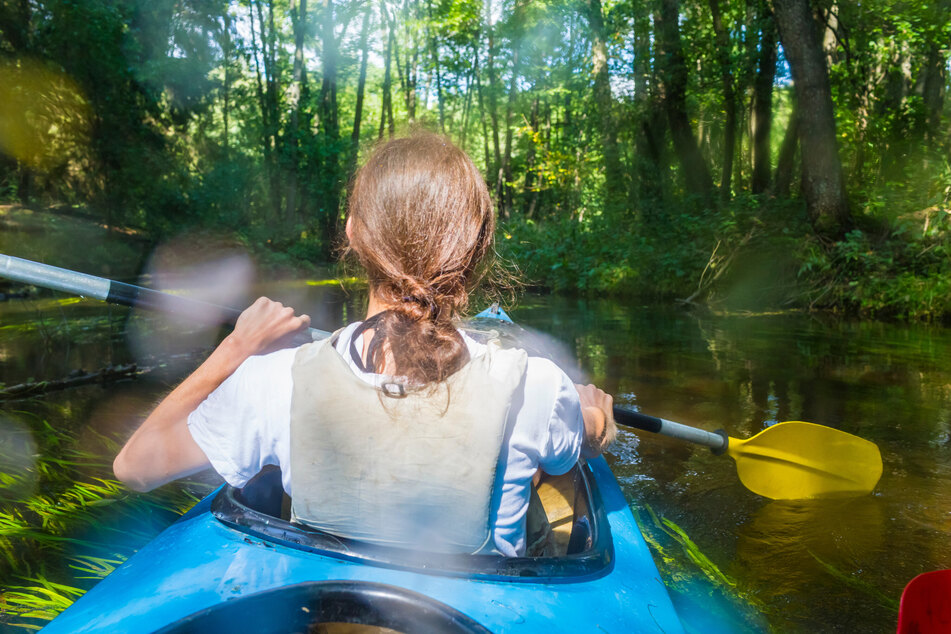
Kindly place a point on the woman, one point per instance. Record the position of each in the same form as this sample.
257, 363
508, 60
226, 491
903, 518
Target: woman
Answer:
399, 429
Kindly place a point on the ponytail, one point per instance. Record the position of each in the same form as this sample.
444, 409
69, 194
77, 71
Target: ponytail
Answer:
423, 229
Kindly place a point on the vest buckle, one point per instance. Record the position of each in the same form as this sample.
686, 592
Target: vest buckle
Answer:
393, 389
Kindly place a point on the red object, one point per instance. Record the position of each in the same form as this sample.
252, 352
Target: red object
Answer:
926, 604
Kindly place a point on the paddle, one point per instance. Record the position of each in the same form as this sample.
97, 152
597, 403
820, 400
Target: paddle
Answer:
788, 461
53, 277
926, 604
791, 460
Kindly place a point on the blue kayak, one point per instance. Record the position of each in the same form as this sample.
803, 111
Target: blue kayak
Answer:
233, 564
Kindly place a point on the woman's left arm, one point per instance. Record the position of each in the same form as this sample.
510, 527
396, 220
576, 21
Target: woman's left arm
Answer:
597, 409
162, 448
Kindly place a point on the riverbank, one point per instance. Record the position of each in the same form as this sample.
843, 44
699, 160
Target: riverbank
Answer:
752, 255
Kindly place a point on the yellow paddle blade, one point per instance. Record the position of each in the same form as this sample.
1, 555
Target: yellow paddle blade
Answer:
796, 460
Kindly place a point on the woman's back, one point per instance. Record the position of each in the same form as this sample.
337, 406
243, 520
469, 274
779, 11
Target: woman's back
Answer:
542, 429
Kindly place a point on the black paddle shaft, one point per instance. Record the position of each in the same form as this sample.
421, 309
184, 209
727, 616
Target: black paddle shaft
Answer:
717, 441
630, 418
139, 296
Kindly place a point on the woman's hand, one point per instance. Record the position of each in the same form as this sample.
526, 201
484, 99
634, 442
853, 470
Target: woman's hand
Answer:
266, 326
597, 409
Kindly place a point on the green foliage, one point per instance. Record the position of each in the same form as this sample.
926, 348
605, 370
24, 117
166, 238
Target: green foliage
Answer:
661, 252
569, 256
169, 117
898, 274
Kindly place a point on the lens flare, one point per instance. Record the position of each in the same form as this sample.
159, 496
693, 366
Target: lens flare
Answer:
44, 117
199, 268
18, 456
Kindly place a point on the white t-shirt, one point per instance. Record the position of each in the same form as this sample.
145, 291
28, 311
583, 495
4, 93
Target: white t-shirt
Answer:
245, 424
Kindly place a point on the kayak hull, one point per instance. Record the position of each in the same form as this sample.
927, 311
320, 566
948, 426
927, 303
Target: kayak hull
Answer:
199, 563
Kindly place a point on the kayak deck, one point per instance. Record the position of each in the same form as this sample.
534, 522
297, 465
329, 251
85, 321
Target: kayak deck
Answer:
201, 562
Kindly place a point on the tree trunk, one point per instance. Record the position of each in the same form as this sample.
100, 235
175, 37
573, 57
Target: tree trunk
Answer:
387, 106
227, 52
673, 89
604, 102
406, 76
268, 100
330, 177
504, 192
536, 189
434, 45
412, 70
529, 184
930, 86
763, 100
493, 98
485, 129
823, 184
297, 87
787, 157
361, 85
467, 107
646, 167
729, 99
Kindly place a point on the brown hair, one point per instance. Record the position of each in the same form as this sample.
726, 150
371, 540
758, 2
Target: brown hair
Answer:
422, 227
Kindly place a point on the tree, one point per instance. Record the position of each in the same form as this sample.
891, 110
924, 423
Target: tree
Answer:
822, 180
296, 95
672, 70
729, 98
763, 99
604, 102
361, 86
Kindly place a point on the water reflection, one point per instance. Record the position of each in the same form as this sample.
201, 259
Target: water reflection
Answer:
785, 545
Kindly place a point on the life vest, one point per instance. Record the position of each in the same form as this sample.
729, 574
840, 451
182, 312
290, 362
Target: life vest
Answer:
397, 465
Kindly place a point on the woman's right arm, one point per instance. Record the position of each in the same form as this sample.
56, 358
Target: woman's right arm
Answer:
162, 449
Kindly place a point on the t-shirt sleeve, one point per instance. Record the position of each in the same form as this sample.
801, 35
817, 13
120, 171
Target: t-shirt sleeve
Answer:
565, 424
240, 425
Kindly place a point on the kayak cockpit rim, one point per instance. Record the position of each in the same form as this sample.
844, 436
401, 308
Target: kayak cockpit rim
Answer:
362, 605
255, 510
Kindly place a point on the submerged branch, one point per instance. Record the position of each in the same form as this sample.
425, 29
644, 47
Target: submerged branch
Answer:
103, 376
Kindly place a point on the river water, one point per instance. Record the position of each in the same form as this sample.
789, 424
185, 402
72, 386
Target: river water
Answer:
801, 566
735, 561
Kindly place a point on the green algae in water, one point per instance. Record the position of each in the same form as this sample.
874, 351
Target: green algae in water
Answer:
343, 282
707, 599
40, 601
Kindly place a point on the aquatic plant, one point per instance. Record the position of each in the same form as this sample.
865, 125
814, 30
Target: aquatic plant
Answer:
41, 601
699, 588
883, 599
64, 522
